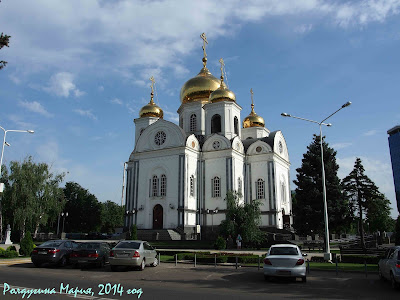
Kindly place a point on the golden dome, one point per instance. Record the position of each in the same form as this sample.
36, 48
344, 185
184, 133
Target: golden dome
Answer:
222, 93
151, 109
253, 120
199, 87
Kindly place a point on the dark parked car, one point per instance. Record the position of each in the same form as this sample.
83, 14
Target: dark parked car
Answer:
53, 252
133, 254
90, 253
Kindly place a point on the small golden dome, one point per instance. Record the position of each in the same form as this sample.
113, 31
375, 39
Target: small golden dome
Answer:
151, 110
253, 120
199, 87
222, 93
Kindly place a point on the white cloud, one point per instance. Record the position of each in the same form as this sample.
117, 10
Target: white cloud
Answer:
74, 36
18, 121
35, 107
337, 146
101, 88
86, 113
303, 28
61, 84
370, 132
170, 116
378, 171
117, 101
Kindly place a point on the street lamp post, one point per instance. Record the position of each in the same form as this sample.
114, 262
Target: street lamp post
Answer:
212, 212
327, 255
1, 163
64, 215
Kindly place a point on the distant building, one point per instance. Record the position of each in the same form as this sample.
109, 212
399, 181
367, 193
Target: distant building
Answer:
394, 146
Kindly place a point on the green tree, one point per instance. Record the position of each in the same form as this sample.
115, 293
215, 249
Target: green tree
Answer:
84, 210
112, 215
308, 207
32, 196
4, 40
364, 197
243, 219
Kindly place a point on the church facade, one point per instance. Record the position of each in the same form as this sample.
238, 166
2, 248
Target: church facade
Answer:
177, 176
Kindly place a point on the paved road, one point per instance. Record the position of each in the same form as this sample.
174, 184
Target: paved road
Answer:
186, 282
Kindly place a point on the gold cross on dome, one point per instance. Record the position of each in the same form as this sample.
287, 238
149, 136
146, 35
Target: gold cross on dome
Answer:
152, 83
251, 92
222, 66
204, 38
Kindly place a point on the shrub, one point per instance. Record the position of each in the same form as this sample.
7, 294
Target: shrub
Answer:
11, 253
11, 248
26, 244
220, 243
2, 252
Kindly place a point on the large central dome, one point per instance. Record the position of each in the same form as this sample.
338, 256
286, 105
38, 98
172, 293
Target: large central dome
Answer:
199, 87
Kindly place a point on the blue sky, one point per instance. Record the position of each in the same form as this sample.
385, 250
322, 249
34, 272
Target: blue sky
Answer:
78, 74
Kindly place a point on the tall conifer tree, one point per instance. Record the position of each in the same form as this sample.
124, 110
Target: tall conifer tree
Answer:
308, 208
365, 198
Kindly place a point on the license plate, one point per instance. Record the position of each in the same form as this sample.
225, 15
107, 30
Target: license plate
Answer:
81, 261
42, 252
282, 272
123, 255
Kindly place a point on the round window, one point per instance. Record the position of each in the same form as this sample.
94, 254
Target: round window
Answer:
258, 149
216, 145
160, 138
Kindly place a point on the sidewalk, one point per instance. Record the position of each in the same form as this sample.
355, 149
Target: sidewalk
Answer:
14, 261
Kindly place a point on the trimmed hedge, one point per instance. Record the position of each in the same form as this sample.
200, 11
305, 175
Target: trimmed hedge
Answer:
360, 259
207, 257
26, 244
2, 252
11, 248
11, 253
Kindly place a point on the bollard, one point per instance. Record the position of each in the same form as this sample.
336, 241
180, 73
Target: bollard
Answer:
366, 271
159, 258
308, 266
176, 260
236, 262
215, 260
195, 260
258, 263
337, 271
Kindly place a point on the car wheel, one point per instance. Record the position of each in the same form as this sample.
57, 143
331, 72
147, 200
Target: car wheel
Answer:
142, 265
63, 261
393, 281
304, 279
380, 275
155, 262
113, 268
102, 263
75, 266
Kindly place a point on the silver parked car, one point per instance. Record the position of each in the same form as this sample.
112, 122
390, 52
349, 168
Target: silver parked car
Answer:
284, 260
133, 254
389, 266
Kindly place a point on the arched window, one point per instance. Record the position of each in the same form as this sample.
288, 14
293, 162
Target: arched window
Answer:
239, 186
216, 187
283, 191
236, 125
260, 188
163, 187
192, 185
216, 124
154, 189
193, 123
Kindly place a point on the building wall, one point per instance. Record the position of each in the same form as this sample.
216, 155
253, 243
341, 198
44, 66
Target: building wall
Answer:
394, 145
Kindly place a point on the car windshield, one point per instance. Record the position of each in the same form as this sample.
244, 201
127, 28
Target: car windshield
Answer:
128, 245
283, 251
89, 246
51, 244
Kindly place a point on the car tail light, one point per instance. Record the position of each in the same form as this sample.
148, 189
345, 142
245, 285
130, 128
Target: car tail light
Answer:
93, 255
398, 266
54, 251
300, 262
34, 251
267, 261
136, 254
111, 253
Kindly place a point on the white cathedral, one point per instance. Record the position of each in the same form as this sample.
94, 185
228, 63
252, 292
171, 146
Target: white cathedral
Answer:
177, 177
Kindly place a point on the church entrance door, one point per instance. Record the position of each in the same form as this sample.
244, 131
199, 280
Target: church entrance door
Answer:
157, 217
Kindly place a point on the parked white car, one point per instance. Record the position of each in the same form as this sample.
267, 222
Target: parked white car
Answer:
389, 267
285, 260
